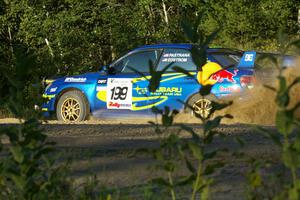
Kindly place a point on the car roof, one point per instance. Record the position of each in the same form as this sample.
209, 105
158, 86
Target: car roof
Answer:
161, 46
187, 46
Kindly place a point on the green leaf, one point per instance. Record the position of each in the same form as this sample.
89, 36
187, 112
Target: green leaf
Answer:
183, 71
18, 180
282, 84
287, 157
185, 181
161, 182
211, 37
196, 150
269, 57
214, 123
296, 81
17, 153
284, 121
273, 136
296, 144
255, 179
283, 99
190, 31
293, 193
240, 141
190, 166
167, 120
190, 130
210, 168
270, 88
220, 106
199, 56
158, 155
205, 90
169, 167
209, 155
295, 43
209, 136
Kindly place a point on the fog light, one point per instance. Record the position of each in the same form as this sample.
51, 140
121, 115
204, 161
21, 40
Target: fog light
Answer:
36, 107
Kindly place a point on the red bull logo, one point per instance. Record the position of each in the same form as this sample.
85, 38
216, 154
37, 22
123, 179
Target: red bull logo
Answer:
220, 76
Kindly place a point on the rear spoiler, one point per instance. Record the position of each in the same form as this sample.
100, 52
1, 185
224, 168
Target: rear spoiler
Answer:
248, 59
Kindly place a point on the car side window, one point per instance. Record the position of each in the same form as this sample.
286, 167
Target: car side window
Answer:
178, 57
138, 61
227, 60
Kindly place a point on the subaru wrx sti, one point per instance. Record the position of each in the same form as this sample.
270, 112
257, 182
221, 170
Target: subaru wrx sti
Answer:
118, 90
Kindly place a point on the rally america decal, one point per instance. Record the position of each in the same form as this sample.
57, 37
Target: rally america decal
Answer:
119, 93
75, 80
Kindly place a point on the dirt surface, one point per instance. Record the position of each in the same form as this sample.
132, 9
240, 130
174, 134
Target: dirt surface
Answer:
104, 148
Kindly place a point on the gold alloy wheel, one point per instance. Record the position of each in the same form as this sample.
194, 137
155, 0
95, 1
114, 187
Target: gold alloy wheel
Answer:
202, 107
70, 110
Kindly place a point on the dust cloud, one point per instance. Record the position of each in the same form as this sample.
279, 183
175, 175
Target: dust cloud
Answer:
258, 104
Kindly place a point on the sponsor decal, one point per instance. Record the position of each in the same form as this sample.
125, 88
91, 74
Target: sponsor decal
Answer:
102, 81
118, 105
112, 104
75, 80
169, 89
249, 57
176, 57
166, 91
100, 88
212, 73
48, 96
208, 70
220, 76
53, 89
234, 88
119, 93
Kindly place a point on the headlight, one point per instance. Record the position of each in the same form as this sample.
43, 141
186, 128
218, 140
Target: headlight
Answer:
48, 86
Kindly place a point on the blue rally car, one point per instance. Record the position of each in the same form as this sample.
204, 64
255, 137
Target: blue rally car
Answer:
125, 92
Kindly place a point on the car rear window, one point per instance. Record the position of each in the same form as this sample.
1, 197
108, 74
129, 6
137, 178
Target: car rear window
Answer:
226, 60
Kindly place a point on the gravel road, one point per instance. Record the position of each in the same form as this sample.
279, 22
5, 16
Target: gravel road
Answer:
103, 148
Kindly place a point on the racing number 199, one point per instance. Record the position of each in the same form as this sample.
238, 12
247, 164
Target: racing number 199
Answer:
119, 93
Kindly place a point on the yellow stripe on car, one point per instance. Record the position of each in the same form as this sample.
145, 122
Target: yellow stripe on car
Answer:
48, 96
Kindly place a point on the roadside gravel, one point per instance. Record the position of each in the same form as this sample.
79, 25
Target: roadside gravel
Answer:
103, 148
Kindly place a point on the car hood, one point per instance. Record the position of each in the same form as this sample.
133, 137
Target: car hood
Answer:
82, 78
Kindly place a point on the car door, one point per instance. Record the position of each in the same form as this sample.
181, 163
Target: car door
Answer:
127, 87
175, 87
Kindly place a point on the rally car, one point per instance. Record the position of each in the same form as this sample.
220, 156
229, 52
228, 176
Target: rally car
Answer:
119, 90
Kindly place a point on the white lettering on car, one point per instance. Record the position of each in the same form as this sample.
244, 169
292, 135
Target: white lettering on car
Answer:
75, 80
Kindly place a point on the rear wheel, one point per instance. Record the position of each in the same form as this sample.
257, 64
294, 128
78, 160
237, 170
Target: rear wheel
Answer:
72, 106
200, 106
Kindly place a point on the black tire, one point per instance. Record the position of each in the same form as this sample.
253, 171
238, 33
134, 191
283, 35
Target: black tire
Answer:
72, 106
192, 102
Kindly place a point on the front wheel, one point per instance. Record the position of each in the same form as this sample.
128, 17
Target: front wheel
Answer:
72, 106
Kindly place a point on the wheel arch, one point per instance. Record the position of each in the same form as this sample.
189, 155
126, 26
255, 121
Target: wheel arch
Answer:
65, 90
210, 96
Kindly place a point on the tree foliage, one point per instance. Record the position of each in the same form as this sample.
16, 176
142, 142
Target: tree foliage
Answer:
75, 36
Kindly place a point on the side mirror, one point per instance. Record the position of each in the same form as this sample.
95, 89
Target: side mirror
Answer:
111, 71
103, 68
